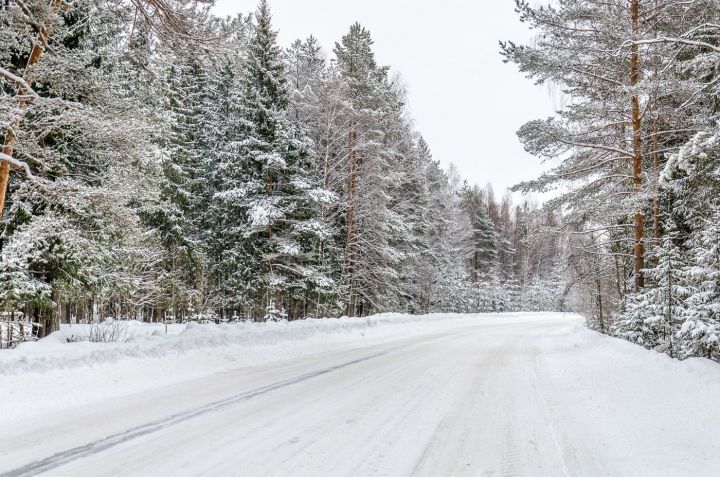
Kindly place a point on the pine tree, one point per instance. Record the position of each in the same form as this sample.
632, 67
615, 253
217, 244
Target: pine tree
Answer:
371, 261
74, 226
635, 100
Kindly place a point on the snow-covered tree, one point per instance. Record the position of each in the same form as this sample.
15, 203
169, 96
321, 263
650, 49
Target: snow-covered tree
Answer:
700, 332
485, 261
655, 314
85, 141
267, 192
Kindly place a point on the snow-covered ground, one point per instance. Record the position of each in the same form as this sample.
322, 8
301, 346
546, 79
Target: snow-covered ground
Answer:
517, 394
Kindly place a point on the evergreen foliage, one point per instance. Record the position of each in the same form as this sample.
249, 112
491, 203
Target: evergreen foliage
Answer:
167, 180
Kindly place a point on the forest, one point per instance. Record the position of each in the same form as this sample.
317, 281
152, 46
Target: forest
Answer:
164, 164
634, 156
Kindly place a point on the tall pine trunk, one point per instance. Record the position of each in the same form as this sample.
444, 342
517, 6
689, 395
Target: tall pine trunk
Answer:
656, 167
637, 154
350, 252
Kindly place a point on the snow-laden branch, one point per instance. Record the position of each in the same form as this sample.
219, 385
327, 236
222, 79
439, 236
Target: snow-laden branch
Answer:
18, 165
588, 145
22, 84
27, 14
673, 40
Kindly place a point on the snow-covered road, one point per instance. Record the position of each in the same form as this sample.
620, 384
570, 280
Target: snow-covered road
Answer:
522, 396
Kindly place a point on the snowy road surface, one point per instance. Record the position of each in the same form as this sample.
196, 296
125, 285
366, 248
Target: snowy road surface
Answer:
516, 396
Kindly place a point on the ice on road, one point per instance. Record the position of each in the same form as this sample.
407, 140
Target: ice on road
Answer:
522, 395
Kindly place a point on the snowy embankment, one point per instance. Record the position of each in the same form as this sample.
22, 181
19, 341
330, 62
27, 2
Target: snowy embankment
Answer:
60, 371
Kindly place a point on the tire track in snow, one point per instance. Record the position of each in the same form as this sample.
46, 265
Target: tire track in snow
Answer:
565, 451
95, 447
509, 458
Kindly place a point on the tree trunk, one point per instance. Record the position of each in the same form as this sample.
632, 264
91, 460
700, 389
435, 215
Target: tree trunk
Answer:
599, 303
350, 223
270, 193
637, 157
656, 199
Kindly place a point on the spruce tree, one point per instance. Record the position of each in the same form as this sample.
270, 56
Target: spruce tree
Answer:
655, 314
181, 207
485, 238
700, 333
267, 194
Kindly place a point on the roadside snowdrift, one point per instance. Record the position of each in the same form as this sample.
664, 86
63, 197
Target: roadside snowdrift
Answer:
69, 348
58, 372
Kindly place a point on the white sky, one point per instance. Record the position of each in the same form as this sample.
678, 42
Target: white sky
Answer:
466, 102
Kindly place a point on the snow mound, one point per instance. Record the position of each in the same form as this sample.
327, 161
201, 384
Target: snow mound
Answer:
68, 348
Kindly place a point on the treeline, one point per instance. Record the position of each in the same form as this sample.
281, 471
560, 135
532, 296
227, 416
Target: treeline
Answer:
635, 154
205, 172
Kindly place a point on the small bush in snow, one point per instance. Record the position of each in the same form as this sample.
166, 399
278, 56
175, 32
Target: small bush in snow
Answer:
108, 331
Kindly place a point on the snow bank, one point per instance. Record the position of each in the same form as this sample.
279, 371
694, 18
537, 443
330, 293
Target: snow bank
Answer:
68, 348
58, 371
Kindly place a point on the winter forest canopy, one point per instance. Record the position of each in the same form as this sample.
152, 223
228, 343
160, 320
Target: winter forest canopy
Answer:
160, 163
167, 164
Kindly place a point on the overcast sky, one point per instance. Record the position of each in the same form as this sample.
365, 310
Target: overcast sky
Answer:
466, 102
